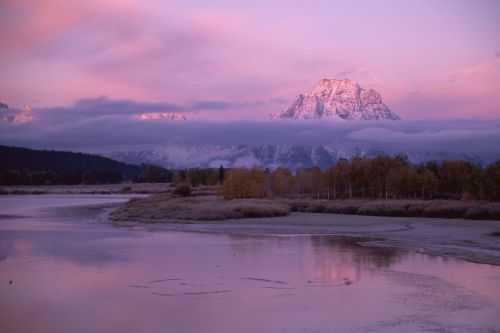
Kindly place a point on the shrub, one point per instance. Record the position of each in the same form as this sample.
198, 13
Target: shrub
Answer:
371, 208
445, 210
316, 207
477, 213
126, 188
183, 190
485, 212
343, 208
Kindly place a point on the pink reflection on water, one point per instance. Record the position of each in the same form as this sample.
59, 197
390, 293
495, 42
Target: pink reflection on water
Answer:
94, 277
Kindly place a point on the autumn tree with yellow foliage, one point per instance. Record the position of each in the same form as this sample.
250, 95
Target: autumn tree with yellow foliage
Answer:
244, 183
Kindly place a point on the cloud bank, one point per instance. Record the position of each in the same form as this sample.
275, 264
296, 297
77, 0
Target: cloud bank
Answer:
104, 125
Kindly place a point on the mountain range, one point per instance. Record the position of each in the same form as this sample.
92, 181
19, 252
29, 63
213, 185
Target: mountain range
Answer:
330, 99
268, 156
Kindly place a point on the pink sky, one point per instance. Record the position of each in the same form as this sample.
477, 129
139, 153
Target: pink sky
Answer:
427, 58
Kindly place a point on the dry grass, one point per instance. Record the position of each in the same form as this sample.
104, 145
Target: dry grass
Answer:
140, 188
168, 208
165, 208
403, 208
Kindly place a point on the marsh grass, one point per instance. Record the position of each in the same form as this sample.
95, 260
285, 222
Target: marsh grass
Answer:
168, 208
403, 208
165, 208
137, 188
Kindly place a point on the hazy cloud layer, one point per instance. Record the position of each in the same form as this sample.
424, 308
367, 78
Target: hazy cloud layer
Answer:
103, 106
96, 125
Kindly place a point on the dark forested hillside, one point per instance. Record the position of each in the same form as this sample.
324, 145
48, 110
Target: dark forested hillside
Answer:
38, 167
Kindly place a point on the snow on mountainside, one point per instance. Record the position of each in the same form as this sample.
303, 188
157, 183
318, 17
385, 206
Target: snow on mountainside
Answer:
338, 99
23, 115
269, 156
161, 115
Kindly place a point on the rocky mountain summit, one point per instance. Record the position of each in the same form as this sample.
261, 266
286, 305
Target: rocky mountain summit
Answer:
338, 99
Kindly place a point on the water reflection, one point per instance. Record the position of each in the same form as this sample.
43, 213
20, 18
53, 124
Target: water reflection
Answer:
71, 273
82, 246
320, 260
59, 227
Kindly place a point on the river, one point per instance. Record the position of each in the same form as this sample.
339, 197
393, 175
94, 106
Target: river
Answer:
63, 268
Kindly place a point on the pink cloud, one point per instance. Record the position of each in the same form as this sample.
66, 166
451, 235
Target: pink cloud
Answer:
470, 91
33, 23
59, 51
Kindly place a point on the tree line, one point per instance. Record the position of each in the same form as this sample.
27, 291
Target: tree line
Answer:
23, 166
199, 176
380, 177
145, 174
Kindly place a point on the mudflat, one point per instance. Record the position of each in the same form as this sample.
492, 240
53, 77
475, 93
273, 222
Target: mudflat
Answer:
470, 240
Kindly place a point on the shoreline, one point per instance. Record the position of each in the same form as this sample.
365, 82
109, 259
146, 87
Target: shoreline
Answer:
460, 239
105, 189
131, 188
474, 241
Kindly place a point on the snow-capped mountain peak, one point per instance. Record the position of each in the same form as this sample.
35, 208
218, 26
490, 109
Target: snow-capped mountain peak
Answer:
161, 115
339, 99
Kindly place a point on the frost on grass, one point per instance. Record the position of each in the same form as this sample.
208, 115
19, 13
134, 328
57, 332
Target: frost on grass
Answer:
164, 208
474, 210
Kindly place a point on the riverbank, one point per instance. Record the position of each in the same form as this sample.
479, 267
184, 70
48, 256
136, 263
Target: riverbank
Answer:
169, 208
130, 188
470, 240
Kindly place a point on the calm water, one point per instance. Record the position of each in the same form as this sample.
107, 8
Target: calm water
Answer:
71, 272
